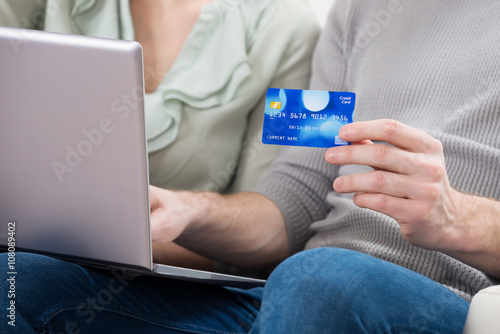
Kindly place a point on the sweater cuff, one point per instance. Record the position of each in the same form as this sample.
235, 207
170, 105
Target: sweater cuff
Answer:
297, 219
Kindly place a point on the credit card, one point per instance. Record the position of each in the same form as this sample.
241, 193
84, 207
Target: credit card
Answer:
311, 118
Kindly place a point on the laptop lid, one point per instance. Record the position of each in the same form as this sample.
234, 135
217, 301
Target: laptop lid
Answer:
74, 176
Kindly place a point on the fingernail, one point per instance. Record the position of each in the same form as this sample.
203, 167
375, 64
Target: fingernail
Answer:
330, 154
337, 184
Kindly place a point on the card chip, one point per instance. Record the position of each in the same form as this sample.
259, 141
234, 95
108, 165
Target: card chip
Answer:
275, 105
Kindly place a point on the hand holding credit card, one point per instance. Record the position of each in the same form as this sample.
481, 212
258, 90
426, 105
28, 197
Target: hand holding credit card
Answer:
309, 118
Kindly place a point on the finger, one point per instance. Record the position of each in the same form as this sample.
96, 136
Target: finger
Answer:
363, 142
378, 156
154, 197
380, 182
331, 150
401, 209
392, 132
160, 232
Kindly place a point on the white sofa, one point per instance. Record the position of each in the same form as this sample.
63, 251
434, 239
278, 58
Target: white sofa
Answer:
484, 312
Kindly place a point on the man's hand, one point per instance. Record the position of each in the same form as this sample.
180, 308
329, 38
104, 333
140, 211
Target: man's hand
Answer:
409, 183
171, 212
245, 229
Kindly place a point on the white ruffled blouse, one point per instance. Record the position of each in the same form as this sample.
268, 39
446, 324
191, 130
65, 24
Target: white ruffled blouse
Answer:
204, 120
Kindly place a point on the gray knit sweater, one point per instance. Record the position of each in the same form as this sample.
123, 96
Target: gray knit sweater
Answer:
434, 65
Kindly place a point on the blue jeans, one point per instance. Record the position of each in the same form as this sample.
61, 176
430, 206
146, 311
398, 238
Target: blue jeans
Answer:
324, 290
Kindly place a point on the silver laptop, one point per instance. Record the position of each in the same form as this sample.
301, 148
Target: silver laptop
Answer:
74, 170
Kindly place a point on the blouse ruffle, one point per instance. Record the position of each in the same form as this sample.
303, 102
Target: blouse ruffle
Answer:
210, 69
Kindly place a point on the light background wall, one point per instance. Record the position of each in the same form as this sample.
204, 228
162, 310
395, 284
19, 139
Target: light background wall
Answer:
321, 7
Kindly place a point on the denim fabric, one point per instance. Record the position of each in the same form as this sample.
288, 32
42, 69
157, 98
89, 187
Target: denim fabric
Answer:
54, 296
324, 290
331, 290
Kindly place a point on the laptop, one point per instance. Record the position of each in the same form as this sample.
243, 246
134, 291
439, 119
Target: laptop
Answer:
74, 164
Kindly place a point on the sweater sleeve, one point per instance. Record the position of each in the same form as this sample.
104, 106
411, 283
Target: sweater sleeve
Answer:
298, 182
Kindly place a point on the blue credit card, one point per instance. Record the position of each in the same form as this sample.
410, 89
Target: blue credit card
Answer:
311, 118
